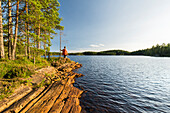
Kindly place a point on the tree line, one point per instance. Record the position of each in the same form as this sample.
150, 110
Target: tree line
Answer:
27, 27
109, 52
162, 50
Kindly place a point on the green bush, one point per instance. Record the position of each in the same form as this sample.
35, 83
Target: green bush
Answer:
21, 67
60, 60
18, 71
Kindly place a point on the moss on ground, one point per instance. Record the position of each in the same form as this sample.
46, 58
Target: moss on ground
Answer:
57, 61
21, 67
13, 73
7, 86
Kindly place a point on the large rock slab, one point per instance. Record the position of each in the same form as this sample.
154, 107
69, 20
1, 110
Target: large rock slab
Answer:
59, 97
18, 94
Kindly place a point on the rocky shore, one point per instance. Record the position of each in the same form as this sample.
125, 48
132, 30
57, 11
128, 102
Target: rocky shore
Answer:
52, 90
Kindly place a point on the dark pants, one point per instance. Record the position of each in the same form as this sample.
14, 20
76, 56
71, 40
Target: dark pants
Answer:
65, 56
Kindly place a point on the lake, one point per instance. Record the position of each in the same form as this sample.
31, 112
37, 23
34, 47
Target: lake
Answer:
124, 83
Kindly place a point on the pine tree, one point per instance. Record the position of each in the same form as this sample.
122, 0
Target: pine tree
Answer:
2, 53
10, 32
16, 32
34, 22
27, 30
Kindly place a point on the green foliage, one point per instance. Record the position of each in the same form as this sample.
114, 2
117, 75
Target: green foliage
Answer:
43, 83
76, 54
115, 52
109, 52
55, 53
90, 53
158, 50
57, 61
17, 71
22, 67
5, 92
38, 23
40, 62
9, 86
60, 60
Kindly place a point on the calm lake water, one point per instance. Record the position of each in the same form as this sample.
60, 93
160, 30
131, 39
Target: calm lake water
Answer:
124, 83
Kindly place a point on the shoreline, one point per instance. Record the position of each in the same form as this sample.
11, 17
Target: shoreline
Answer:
58, 96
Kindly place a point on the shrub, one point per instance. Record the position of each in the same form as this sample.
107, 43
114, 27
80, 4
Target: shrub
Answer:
60, 60
21, 67
18, 71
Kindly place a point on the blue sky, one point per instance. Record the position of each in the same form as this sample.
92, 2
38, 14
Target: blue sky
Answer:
95, 25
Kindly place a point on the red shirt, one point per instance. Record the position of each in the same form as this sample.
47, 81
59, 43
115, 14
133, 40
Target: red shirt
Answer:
64, 52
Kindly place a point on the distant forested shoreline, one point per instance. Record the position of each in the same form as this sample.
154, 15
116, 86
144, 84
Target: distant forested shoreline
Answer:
158, 50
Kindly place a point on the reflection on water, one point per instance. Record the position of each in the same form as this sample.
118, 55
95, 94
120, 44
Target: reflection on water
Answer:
124, 83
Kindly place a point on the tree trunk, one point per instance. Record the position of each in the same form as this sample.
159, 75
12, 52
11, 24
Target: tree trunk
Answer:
10, 35
16, 32
49, 56
49, 50
45, 54
27, 29
26, 40
34, 47
2, 53
38, 42
25, 44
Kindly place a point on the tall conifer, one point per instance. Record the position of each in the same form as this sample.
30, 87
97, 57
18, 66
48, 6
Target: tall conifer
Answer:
2, 53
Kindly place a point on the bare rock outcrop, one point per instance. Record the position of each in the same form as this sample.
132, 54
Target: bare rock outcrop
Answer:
60, 96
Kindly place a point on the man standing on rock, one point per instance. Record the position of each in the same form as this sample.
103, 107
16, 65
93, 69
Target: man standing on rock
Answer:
65, 53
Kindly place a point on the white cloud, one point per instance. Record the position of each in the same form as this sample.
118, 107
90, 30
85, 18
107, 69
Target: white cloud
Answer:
92, 45
97, 45
102, 45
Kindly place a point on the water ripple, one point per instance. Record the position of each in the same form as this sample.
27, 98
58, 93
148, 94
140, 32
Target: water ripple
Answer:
124, 84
